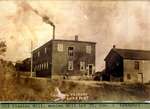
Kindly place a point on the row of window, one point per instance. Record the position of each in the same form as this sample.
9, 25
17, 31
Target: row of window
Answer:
45, 50
71, 49
82, 65
43, 66
136, 65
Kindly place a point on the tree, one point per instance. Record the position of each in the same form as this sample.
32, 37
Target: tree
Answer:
3, 47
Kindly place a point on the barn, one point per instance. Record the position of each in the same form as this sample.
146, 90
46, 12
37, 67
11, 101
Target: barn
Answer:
128, 65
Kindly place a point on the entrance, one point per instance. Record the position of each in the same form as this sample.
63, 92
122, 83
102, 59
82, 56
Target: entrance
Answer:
90, 69
140, 77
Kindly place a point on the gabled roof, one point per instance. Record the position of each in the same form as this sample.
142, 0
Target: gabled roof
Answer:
131, 54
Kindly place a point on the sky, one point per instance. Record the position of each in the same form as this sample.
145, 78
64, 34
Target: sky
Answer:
125, 24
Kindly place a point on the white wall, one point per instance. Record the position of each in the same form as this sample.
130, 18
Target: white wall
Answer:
144, 67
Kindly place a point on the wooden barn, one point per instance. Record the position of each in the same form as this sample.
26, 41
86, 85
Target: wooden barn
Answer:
64, 59
126, 65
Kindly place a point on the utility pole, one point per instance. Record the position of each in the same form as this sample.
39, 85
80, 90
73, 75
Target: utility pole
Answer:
141, 77
31, 58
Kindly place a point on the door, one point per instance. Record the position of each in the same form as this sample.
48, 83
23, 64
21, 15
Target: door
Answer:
140, 77
90, 69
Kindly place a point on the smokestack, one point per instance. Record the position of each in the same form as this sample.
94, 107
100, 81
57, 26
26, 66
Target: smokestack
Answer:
114, 46
76, 37
46, 20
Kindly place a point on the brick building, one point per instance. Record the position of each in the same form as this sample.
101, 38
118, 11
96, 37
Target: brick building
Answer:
60, 58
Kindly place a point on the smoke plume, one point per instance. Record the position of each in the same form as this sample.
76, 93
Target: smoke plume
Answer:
27, 7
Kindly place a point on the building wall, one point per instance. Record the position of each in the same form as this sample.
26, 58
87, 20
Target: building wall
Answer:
42, 60
145, 69
114, 67
60, 58
135, 74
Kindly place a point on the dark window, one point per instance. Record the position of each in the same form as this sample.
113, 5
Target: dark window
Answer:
70, 51
128, 76
136, 65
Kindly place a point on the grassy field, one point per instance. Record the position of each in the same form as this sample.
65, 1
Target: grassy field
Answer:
13, 87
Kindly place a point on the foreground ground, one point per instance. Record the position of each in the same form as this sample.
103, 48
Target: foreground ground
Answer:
15, 87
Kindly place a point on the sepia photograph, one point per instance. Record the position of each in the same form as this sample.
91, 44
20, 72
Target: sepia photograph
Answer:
74, 51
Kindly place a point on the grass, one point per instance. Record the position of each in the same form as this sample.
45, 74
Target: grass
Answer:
15, 88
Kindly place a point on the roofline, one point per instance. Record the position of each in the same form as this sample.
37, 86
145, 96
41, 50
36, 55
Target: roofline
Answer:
132, 50
113, 49
74, 41
41, 46
63, 40
108, 54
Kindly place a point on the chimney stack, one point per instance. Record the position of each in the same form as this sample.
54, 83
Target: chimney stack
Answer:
76, 37
114, 46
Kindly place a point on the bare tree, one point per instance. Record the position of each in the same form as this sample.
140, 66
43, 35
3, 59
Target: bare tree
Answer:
3, 47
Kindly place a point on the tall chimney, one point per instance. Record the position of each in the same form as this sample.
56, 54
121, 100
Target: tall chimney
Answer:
76, 37
53, 32
114, 46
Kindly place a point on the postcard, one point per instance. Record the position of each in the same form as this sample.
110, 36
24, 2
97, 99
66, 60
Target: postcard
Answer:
74, 54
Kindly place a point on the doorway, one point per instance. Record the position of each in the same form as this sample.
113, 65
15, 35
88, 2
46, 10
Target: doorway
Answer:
140, 77
90, 69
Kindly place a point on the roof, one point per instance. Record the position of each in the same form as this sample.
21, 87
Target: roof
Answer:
64, 41
74, 41
132, 54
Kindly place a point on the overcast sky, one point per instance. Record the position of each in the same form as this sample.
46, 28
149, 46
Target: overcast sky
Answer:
124, 24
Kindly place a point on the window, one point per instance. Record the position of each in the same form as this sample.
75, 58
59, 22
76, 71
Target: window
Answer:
70, 51
128, 76
82, 66
70, 65
60, 47
37, 67
136, 65
45, 50
88, 49
43, 66
34, 56
34, 68
40, 66
47, 65
38, 53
